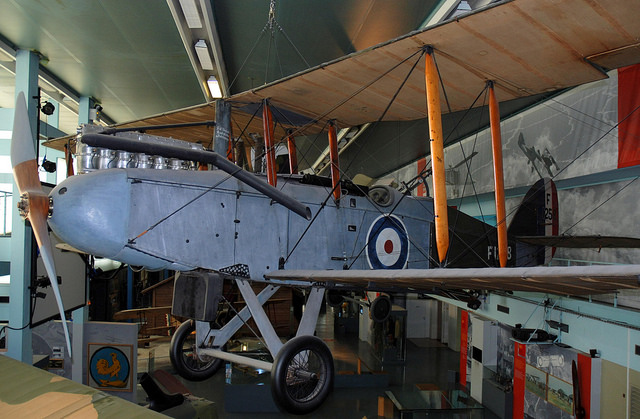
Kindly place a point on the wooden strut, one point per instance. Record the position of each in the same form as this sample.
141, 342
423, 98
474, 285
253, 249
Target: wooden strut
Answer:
498, 175
69, 160
231, 151
436, 144
293, 154
335, 161
270, 151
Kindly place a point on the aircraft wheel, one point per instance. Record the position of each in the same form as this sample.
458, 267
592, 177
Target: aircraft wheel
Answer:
380, 309
302, 375
183, 355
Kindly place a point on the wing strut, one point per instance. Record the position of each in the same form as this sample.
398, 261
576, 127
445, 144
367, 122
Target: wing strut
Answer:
293, 155
496, 144
335, 162
437, 155
270, 151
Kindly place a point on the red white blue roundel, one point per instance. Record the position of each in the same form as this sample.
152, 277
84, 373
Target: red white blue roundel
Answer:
387, 243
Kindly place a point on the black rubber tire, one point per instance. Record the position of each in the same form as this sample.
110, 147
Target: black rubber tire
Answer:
380, 308
293, 392
183, 357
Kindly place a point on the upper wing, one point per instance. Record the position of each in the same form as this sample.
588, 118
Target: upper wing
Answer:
526, 47
571, 280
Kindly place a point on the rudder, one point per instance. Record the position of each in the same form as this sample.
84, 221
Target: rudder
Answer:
536, 216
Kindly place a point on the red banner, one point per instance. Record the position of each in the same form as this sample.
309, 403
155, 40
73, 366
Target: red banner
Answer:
629, 116
584, 374
519, 374
464, 335
422, 189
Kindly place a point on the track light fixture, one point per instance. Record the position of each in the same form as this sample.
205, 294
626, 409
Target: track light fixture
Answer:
48, 165
48, 108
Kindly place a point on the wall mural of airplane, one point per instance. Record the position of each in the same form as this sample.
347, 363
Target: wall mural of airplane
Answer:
534, 157
232, 225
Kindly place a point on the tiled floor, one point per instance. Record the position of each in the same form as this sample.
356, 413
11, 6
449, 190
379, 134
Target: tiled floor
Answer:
428, 363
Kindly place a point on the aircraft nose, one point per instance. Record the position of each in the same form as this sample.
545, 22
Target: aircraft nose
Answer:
90, 212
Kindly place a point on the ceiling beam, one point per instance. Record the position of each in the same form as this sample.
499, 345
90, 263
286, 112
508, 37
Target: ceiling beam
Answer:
440, 13
216, 46
189, 44
209, 34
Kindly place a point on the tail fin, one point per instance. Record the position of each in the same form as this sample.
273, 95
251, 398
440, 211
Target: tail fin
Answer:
536, 216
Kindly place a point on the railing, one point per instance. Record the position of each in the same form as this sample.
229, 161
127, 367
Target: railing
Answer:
6, 206
577, 262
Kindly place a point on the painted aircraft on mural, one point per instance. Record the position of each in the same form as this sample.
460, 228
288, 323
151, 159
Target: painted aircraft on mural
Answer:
534, 157
321, 234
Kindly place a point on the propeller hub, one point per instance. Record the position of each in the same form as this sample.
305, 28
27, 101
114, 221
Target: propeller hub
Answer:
23, 205
43, 202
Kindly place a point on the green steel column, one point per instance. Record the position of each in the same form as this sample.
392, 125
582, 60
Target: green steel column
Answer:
80, 316
19, 341
84, 110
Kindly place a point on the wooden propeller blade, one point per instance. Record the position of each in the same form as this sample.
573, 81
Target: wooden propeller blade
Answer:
25, 173
23, 154
38, 212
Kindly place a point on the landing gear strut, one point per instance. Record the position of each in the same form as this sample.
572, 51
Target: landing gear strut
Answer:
302, 371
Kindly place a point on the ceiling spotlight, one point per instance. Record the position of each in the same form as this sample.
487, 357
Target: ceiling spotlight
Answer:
48, 108
214, 87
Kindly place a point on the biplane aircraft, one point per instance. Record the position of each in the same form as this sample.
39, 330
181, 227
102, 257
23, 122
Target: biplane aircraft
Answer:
316, 233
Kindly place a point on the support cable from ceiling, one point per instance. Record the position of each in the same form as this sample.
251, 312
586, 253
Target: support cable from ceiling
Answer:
271, 26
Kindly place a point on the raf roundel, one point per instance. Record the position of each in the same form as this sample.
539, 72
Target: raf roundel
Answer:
387, 243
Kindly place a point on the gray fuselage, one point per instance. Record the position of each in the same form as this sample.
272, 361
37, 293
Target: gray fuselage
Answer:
183, 220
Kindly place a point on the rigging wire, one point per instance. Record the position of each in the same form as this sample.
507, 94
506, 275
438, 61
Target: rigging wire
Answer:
189, 202
487, 233
602, 203
245, 322
469, 177
604, 135
473, 184
451, 229
357, 92
361, 147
